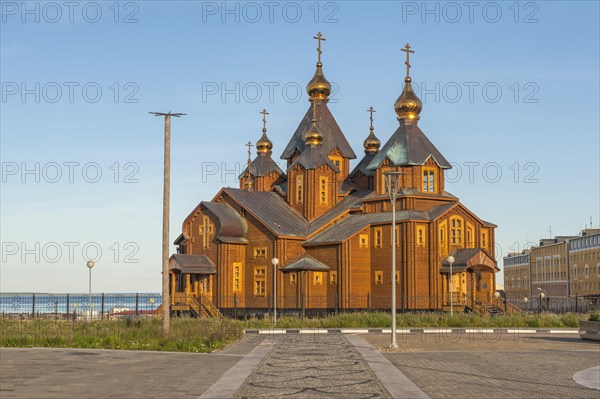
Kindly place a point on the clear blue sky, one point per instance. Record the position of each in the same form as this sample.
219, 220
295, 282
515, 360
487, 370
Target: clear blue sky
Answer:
541, 132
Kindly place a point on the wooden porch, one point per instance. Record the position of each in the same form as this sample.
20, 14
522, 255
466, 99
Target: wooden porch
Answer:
480, 303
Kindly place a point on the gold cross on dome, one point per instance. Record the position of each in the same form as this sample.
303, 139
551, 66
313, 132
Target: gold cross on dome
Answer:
319, 37
264, 114
371, 110
407, 62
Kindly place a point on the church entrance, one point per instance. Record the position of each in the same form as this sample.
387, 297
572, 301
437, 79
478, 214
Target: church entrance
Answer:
472, 283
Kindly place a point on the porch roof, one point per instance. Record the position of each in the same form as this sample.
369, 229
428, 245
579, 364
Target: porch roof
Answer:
470, 258
305, 262
192, 264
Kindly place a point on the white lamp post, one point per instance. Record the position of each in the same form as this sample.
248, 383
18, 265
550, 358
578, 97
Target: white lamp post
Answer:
275, 262
451, 260
90, 264
391, 183
542, 295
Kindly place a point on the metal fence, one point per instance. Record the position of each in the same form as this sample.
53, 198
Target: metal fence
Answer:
319, 305
78, 306
558, 304
111, 306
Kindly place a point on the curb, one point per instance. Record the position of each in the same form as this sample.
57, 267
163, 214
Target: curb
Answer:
427, 330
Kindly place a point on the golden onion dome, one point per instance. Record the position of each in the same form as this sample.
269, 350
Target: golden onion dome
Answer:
313, 136
408, 106
264, 145
371, 143
318, 88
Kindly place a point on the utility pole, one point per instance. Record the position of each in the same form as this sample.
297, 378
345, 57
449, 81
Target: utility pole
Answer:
166, 302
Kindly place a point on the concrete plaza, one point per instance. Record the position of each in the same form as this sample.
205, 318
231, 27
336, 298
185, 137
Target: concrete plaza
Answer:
318, 365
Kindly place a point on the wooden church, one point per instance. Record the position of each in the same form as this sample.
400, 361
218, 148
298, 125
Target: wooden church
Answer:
330, 226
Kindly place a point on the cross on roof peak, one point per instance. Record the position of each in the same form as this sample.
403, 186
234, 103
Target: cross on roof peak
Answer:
371, 110
407, 62
264, 114
319, 37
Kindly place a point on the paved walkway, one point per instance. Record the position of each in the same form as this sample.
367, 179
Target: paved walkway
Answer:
313, 366
494, 366
99, 374
317, 366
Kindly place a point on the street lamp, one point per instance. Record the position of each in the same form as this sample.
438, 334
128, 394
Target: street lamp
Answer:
90, 264
542, 295
275, 262
451, 260
391, 184
526, 300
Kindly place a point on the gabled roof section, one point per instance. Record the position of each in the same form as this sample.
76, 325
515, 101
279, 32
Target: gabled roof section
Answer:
231, 223
352, 224
271, 210
332, 134
408, 146
305, 262
341, 208
183, 237
362, 166
438, 211
263, 165
411, 191
313, 157
465, 258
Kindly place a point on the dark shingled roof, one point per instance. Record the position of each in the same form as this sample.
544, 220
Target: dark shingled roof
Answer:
305, 262
488, 224
408, 146
332, 134
351, 201
439, 210
183, 237
313, 157
347, 186
468, 257
271, 210
281, 188
362, 166
352, 224
262, 165
195, 264
232, 225
402, 191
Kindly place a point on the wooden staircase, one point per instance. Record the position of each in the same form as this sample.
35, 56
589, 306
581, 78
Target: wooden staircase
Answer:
496, 306
200, 306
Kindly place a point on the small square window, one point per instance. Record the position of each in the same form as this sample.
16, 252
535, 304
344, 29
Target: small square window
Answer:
260, 252
333, 277
363, 241
318, 278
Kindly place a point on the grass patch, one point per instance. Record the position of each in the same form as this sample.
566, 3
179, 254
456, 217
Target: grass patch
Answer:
207, 335
187, 335
384, 320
